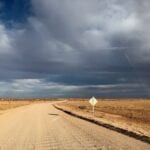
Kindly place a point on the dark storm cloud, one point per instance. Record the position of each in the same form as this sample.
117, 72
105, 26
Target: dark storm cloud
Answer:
78, 48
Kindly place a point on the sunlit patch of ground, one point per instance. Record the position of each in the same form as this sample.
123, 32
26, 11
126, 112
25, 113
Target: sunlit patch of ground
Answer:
132, 114
12, 103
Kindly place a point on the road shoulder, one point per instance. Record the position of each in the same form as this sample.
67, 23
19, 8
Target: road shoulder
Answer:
97, 121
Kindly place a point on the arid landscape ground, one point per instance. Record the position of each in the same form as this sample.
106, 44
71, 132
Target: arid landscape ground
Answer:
40, 126
8, 103
130, 113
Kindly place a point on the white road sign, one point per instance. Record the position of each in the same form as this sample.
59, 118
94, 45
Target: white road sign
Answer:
93, 101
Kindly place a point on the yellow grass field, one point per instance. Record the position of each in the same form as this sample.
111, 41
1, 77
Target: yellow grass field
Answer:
12, 103
8, 104
129, 112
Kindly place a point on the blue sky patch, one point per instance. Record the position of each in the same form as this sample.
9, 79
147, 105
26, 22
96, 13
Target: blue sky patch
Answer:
14, 11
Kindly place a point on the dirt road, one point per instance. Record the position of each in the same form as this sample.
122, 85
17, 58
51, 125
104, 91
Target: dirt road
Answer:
42, 127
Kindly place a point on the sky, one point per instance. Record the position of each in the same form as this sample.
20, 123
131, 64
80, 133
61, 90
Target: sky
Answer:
75, 48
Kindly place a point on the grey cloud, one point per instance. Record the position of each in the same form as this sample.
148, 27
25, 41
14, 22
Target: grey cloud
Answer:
80, 43
41, 88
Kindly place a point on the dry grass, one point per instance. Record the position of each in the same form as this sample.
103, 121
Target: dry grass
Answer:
131, 112
12, 103
7, 104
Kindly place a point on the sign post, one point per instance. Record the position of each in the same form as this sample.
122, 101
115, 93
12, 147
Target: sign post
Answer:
93, 102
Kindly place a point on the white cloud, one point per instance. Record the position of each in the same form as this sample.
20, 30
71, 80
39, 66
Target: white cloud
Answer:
5, 40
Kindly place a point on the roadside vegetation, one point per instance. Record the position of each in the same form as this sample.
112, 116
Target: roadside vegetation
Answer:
8, 104
130, 113
12, 103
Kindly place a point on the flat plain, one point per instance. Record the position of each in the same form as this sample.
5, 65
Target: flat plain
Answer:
9, 103
132, 114
40, 126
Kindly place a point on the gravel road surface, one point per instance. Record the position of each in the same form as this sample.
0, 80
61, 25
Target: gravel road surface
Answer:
43, 127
